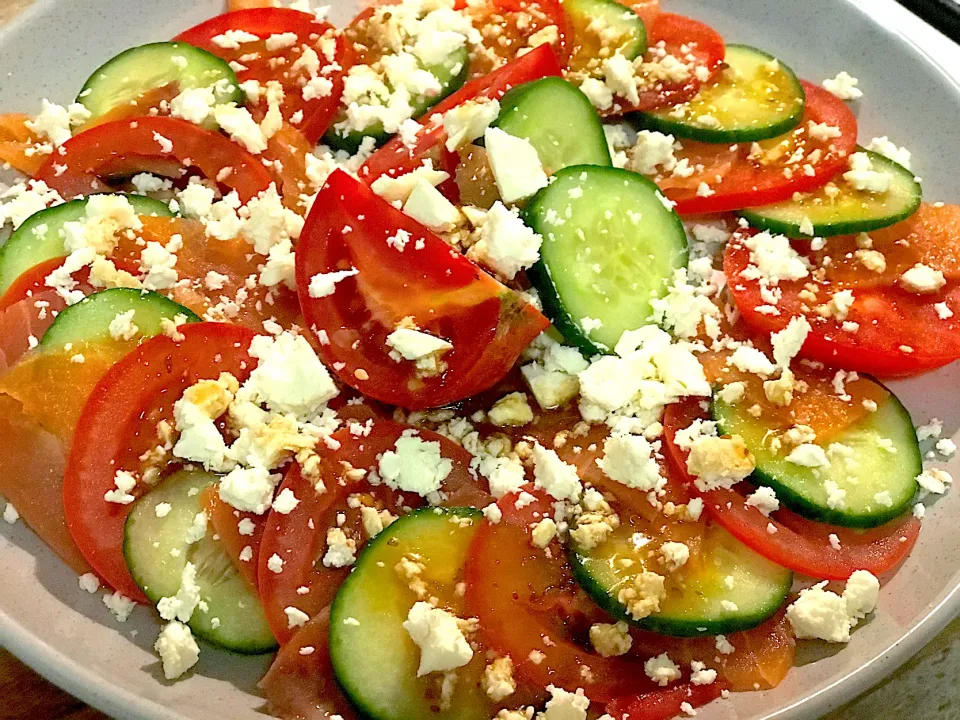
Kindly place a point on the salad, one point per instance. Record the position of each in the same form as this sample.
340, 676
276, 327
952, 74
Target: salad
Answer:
486, 359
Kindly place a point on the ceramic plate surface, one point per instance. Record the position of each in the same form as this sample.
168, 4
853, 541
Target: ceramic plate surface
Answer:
49, 49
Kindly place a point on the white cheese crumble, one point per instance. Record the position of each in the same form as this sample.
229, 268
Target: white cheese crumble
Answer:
177, 649
516, 166
414, 465
821, 614
843, 86
436, 632
505, 244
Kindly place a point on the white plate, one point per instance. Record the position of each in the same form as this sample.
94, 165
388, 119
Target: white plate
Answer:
68, 636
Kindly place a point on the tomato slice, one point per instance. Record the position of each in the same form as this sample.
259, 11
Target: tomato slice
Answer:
506, 26
522, 598
17, 143
262, 64
126, 147
665, 703
689, 40
300, 683
771, 176
444, 293
119, 425
299, 537
899, 333
798, 544
395, 158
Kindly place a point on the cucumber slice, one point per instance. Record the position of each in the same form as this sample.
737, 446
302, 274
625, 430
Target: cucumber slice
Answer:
558, 120
698, 594
39, 239
89, 320
452, 74
157, 552
617, 21
373, 656
755, 98
610, 245
844, 210
135, 72
884, 458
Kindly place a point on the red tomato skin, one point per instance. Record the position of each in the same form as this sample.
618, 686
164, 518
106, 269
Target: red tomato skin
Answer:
663, 704
349, 227
890, 319
154, 375
798, 544
127, 146
745, 186
395, 158
263, 22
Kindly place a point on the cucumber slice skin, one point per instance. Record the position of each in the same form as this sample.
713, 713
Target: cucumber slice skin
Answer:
760, 589
117, 82
785, 218
801, 500
666, 234
25, 248
780, 123
243, 625
89, 319
558, 120
452, 74
372, 659
615, 15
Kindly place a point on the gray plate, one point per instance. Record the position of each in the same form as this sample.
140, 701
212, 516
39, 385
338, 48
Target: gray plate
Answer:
67, 635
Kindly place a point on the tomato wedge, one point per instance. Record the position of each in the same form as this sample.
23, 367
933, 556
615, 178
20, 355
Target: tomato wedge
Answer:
898, 332
797, 543
263, 65
771, 176
395, 158
119, 424
162, 145
488, 325
664, 704
17, 143
519, 594
299, 537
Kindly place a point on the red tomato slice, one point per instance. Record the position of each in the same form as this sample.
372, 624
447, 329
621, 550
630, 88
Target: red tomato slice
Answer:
31, 472
299, 537
798, 544
900, 333
519, 593
225, 521
395, 158
263, 65
119, 424
300, 683
688, 40
663, 704
126, 147
444, 293
749, 183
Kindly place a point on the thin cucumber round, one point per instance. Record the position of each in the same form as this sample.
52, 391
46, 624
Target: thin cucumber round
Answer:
841, 209
137, 71
39, 238
725, 587
558, 120
623, 30
157, 552
89, 320
452, 74
373, 656
874, 462
756, 97
610, 245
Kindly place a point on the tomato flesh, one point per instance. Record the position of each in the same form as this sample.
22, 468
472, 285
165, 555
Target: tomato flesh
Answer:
351, 228
798, 544
118, 425
127, 147
898, 332
17, 142
664, 704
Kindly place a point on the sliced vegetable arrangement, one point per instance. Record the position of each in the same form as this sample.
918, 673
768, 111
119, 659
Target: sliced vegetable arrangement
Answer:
461, 411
